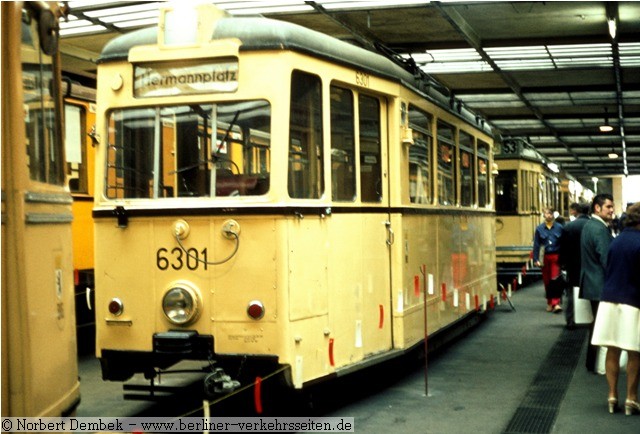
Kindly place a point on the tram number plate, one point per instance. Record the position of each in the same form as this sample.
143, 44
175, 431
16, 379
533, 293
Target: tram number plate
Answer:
362, 79
178, 258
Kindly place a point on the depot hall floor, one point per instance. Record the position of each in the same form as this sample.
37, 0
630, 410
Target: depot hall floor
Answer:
519, 371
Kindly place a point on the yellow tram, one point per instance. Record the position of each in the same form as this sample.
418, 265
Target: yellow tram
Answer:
39, 364
80, 119
526, 183
270, 197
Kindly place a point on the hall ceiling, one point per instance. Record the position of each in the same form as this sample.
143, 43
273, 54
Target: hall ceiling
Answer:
546, 71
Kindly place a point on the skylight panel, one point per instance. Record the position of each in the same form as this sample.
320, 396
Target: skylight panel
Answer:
579, 49
573, 62
81, 30
367, 4
263, 6
122, 11
450, 61
455, 55
117, 19
514, 65
629, 61
137, 23
455, 67
517, 52
72, 24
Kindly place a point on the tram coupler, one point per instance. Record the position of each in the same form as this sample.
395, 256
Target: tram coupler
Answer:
219, 383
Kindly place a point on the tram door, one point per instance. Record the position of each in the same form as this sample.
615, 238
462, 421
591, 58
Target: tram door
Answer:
377, 230
359, 265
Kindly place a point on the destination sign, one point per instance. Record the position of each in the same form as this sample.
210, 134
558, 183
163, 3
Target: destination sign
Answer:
155, 80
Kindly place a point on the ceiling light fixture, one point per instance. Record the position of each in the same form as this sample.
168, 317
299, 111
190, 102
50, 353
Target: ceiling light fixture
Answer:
605, 128
613, 155
612, 27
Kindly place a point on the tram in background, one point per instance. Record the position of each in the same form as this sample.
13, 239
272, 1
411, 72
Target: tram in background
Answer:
39, 362
273, 198
80, 119
526, 183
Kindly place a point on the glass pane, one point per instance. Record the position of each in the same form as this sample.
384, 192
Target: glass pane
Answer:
420, 157
343, 176
466, 170
74, 125
208, 150
506, 192
44, 147
370, 164
483, 175
446, 165
305, 179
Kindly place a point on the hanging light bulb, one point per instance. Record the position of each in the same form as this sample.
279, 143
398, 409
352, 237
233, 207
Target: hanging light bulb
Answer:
611, 22
605, 128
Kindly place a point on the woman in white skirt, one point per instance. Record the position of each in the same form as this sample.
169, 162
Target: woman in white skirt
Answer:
617, 325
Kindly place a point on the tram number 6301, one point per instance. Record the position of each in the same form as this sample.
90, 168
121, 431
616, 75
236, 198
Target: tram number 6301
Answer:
178, 258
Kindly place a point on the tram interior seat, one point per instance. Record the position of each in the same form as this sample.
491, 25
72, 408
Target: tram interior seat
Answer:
242, 185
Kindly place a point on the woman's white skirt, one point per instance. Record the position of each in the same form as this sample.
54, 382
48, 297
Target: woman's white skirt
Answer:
617, 325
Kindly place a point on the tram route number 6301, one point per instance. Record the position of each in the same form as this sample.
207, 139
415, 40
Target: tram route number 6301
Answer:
178, 258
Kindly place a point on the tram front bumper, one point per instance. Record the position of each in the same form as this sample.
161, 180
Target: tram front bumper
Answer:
169, 348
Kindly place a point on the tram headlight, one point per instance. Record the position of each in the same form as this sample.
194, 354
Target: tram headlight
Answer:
181, 304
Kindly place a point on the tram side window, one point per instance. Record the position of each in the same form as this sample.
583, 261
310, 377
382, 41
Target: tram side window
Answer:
446, 164
420, 157
370, 154
208, 150
41, 111
542, 193
553, 193
305, 180
528, 193
75, 132
483, 175
343, 176
467, 175
506, 192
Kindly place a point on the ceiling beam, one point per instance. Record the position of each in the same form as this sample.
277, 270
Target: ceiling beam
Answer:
612, 14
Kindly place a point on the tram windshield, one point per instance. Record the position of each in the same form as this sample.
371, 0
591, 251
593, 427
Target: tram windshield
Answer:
196, 150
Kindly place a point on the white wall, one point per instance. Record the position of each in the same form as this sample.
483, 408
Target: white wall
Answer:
630, 190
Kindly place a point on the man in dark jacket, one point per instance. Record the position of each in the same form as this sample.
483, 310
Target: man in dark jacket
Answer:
570, 257
594, 248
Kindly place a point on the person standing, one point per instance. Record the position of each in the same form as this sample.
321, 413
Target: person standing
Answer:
547, 236
570, 255
594, 246
617, 324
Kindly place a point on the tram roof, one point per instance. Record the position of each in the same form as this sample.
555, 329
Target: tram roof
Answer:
258, 33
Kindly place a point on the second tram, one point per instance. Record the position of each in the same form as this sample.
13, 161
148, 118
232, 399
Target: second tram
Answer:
526, 183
